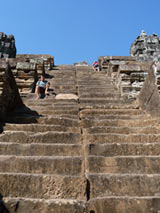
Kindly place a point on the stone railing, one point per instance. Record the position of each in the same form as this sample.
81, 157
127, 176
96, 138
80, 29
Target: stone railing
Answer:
9, 95
130, 78
149, 98
105, 61
127, 74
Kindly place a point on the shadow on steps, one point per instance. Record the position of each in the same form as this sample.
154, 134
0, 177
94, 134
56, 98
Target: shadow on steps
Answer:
23, 115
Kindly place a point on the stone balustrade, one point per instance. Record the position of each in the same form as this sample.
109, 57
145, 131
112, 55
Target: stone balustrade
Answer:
127, 74
9, 95
104, 61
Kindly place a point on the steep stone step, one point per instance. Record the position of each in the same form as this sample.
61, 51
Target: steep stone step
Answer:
47, 137
124, 164
64, 91
70, 109
91, 82
122, 130
96, 88
27, 205
119, 138
62, 77
46, 113
46, 102
123, 185
123, 204
92, 77
102, 100
42, 186
108, 105
67, 122
40, 128
65, 83
111, 117
85, 123
98, 112
40, 149
64, 87
41, 165
123, 149
100, 95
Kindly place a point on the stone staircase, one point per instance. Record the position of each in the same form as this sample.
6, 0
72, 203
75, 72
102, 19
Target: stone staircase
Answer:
97, 154
121, 154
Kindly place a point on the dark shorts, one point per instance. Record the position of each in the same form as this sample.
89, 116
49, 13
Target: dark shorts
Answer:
42, 90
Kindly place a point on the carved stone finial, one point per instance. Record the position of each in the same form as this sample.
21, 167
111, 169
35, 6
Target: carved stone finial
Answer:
143, 33
146, 48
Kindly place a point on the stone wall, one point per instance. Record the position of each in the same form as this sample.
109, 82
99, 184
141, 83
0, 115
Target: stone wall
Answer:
44, 60
7, 46
104, 61
146, 47
149, 98
9, 95
27, 69
127, 74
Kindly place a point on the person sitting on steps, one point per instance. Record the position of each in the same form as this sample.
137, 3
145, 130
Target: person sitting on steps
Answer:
42, 87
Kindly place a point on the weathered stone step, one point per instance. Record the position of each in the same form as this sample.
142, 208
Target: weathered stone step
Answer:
102, 100
70, 109
96, 88
111, 117
91, 82
123, 149
26, 205
41, 164
46, 102
92, 77
68, 122
111, 111
100, 95
93, 89
64, 87
123, 204
46, 113
108, 105
42, 186
86, 123
102, 185
65, 83
122, 130
40, 149
122, 138
53, 111
124, 164
64, 91
64, 79
63, 76
40, 128
47, 137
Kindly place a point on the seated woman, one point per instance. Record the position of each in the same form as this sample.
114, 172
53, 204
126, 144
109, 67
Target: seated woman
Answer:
42, 87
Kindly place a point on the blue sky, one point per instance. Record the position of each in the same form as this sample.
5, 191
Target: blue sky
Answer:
78, 30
